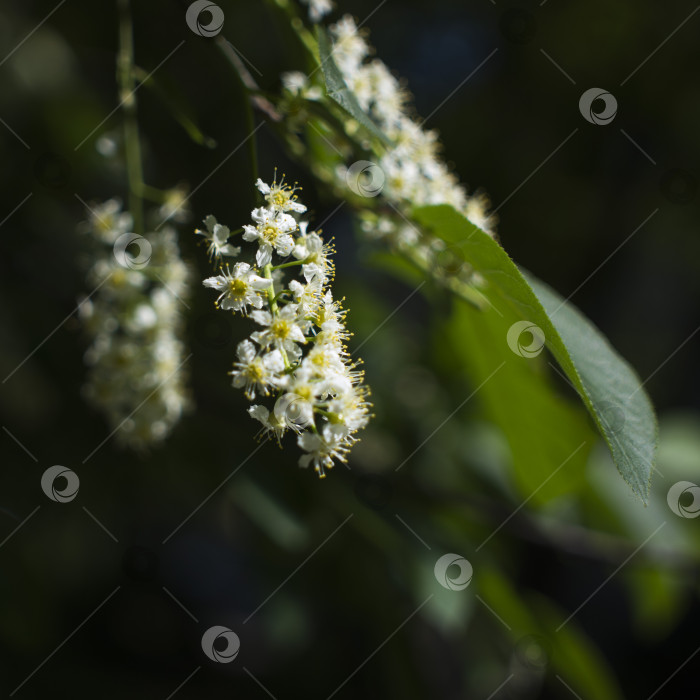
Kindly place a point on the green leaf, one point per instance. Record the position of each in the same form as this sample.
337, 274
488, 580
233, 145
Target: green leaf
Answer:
338, 90
607, 385
546, 433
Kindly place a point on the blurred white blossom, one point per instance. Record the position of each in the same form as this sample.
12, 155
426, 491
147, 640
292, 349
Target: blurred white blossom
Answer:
318, 8
408, 171
134, 318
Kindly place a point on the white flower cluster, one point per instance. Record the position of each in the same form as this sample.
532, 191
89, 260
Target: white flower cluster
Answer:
413, 169
318, 8
410, 171
298, 353
135, 361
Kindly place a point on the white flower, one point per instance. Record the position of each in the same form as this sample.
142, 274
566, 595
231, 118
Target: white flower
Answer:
318, 8
108, 221
389, 98
240, 288
315, 253
298, 84
307, 296
322, 449
330, 319
296, 407
217, 236
142, 318
269, 421
272, 232
321, 363
279, 196
256, 372
284, 329
349, 48
351, 412
175, 207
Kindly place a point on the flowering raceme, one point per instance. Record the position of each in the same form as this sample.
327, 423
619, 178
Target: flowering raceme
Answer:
408, 170
412, 167
135, 360
297, 354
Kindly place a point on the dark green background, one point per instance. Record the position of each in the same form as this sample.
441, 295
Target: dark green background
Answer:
264, 522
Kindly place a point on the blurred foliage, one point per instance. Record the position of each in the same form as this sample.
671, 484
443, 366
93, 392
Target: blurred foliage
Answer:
228, 537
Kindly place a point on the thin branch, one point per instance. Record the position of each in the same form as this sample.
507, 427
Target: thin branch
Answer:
125, 77
567, 537
260, 103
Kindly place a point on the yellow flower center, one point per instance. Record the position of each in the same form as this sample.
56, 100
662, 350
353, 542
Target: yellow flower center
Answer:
280, 329
304, 392
255, 372
280, 198
237, 287
319, 360
270, 233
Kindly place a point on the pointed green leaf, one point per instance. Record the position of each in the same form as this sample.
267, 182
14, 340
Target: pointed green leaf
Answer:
522, 401
338, 90
609, 388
